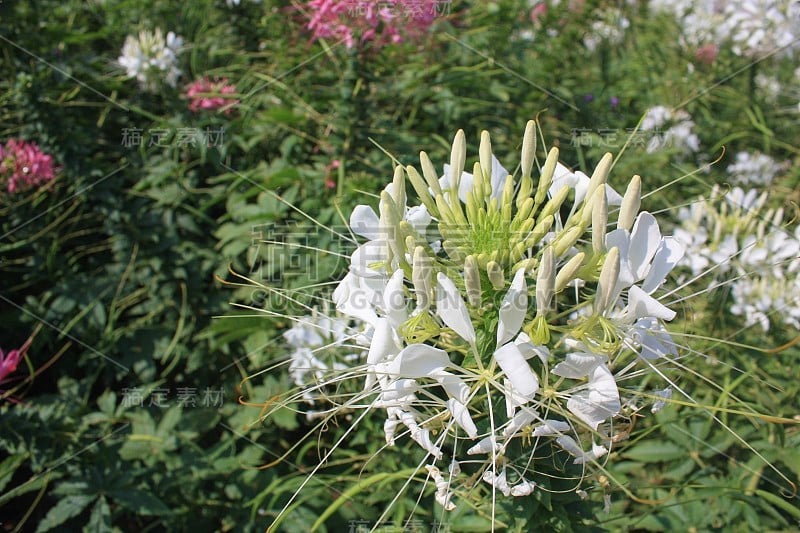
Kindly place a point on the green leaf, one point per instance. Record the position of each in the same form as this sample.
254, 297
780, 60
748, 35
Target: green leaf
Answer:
655, 452
100, 520
66, 508
139, 501
8, 467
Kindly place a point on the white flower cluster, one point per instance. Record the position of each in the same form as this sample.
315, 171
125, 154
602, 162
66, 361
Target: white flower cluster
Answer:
151, 58
483, 296
610, 29
672, 129
754, 28
737, 241
323, 346
754, 169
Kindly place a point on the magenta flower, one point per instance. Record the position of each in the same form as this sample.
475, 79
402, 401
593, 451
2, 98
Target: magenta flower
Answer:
9, 362
208, 95
24, 166
359, 21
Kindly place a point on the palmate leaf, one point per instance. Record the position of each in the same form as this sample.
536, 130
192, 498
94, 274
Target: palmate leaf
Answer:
66, 508
139, 501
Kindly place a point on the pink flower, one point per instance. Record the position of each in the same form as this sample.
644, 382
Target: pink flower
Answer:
538, 11
211, 95
706, 54
9, 362
24, 166
359, 21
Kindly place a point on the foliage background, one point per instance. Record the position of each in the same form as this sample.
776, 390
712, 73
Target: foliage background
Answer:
125, 267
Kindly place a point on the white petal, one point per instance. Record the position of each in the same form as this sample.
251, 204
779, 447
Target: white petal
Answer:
364, 222
353, 300
419, 218
529, 350
366, 261
645, 239
641, 304
569, 444
498, 481
599, 402
464, 185
461, 416
517, 370
382, 346
499, 175
485, 445
612, 196
581, 186
523, 489
513, 398
597, 452
653, 338
513, 309
669, 252
394, 300
578, 365
452, 310
520, 420
419, 361
453, 385
551, 427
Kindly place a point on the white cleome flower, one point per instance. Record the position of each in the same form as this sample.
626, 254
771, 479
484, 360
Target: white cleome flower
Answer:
482, 350
152, 59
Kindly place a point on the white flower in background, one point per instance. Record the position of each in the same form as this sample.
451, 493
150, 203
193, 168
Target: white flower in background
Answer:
470, 294
670, 130
152, 59
760, 27
769, 87
734, 240
753, 28
610, 29
754, 169
323, 346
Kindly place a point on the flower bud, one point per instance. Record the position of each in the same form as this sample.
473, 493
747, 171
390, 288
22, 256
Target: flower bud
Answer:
552, 206
599, 222
528, 149
546, 178
430, 174
485, 153
399, 187
422, 277
472, 281
569, 271
421, 188
567, 240
600, 174
545, 281
496, 277
630, 204
458, 156
609, 275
